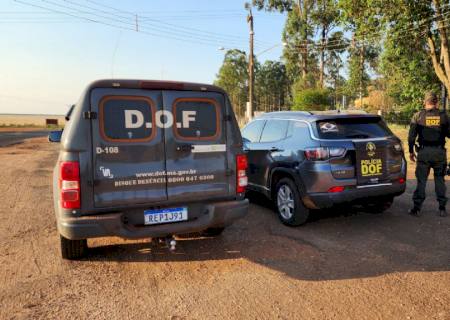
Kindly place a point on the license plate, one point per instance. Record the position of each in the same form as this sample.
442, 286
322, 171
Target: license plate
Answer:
165, 215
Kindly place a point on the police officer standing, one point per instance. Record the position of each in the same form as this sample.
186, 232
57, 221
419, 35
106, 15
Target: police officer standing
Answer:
430, 126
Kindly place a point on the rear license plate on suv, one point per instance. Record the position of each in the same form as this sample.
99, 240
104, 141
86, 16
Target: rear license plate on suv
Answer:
165, 215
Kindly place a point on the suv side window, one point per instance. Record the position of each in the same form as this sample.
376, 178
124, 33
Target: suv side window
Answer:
274, 130
252, 131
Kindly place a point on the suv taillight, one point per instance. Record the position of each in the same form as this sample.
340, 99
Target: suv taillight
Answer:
69, 183
320, 154
241, 175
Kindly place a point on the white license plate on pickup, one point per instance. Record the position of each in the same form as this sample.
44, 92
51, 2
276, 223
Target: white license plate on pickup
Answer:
165, 215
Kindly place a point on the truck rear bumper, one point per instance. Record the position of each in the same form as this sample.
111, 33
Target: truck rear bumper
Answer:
219, 214
327, 200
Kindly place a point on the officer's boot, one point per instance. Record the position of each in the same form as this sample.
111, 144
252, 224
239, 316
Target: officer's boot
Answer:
415, 212
442, 212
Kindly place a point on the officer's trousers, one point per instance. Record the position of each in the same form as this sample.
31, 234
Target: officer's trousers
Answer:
427, 158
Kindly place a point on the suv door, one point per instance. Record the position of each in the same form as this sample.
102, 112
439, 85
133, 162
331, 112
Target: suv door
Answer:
267, 151
128, 148
196, 146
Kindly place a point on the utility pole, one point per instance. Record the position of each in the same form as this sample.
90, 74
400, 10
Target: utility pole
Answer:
251, 67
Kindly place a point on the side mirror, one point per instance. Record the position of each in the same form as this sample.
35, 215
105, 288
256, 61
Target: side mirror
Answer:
246, 142
55, 136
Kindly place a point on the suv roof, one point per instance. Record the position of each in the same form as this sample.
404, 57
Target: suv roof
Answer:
154, 85
312, 116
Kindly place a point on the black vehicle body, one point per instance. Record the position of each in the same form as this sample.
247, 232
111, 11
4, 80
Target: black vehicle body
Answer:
143, 146
278, 145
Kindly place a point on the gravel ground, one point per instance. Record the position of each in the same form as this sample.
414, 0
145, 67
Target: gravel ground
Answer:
341, 265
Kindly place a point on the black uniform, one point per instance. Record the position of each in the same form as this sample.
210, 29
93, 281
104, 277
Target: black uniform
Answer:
431, 127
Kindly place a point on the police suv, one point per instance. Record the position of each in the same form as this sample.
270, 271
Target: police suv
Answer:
314, 160
145, 159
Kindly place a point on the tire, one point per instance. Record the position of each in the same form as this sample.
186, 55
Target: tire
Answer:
212, 232
380, 206
288, 203
73, 249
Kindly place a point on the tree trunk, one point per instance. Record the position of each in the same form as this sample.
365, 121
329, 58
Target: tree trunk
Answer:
361, 74
442, 69
322, 57
303, 14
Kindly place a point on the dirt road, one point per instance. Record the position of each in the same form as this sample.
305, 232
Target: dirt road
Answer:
15, 136
339, 266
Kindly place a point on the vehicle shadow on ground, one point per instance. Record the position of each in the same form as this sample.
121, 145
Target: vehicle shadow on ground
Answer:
335, 244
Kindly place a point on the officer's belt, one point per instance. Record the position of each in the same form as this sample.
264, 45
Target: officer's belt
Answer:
431, 146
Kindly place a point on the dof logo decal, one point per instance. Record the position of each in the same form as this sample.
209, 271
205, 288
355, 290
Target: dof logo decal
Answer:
134, 119
371, 148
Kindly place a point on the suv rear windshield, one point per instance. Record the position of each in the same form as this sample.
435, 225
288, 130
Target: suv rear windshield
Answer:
352, 128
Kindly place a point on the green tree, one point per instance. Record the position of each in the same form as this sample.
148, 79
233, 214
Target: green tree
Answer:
419, 20
361, 17
312, 99
408, 72
335, 63
326, 17
233, 78
297, 33
272, 86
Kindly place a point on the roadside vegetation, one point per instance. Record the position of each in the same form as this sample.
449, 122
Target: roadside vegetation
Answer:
374, 55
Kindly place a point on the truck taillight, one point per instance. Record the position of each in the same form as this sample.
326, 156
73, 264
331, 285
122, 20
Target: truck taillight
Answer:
241, 175
69, 183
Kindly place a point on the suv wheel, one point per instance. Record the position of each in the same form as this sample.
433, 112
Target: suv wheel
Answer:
73, 249
291, 210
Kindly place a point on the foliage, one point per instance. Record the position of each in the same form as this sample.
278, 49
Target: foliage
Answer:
408, 72
296, 34
398, 50
272, 85
376, 100
312, 99
233, 78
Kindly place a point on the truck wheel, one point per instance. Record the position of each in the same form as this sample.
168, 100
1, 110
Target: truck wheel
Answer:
73, 249
380, 206
290, 207
212, 232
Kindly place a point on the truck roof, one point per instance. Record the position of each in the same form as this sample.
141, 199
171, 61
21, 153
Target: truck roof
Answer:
154, 85
312, 116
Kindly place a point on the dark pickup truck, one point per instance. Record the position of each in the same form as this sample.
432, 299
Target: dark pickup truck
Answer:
148, 159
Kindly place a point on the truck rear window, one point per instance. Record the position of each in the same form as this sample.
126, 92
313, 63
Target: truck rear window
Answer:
126, 118
352, 128
196, 119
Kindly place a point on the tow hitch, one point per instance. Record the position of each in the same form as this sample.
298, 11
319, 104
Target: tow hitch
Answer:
170, 242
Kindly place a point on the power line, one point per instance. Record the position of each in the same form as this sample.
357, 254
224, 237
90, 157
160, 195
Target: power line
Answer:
173, 26
164, 34
422, 22
127, 21
345, 43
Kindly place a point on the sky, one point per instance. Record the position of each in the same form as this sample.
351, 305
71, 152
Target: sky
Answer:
49, 54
